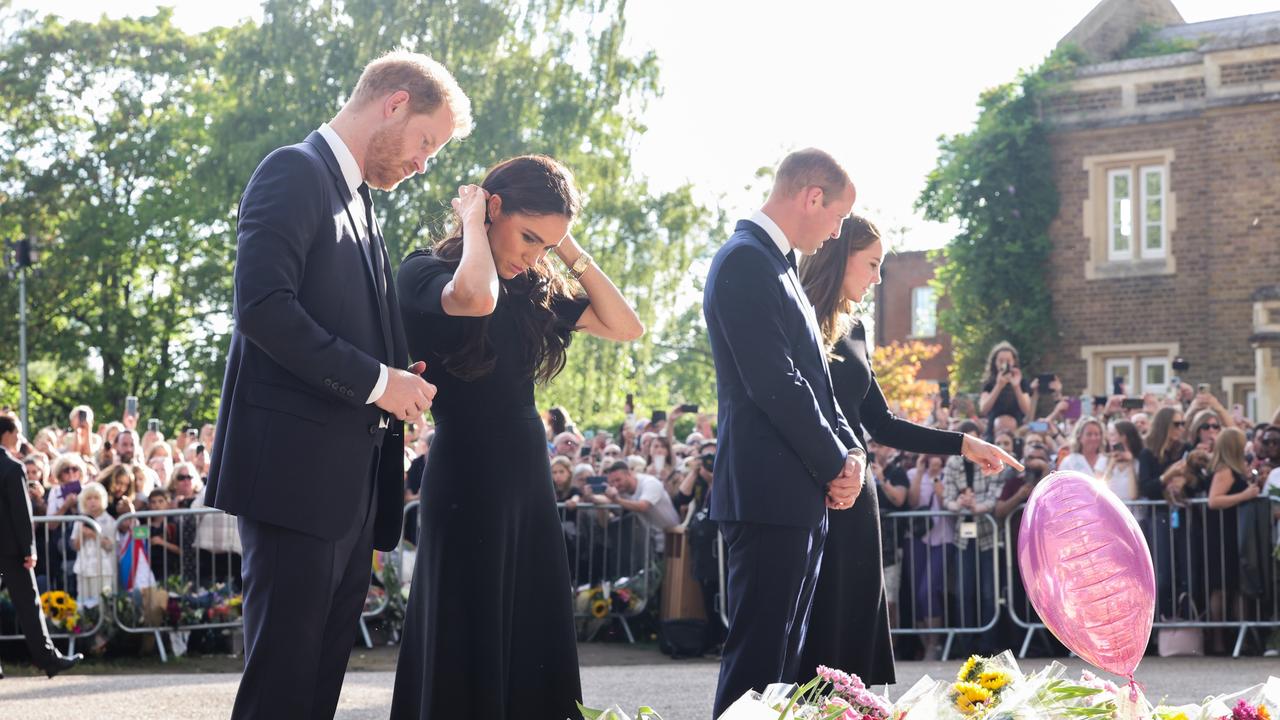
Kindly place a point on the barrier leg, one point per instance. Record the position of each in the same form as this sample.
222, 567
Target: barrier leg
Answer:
164, 657
1239, 641
946, 648
364, 633
1026, 643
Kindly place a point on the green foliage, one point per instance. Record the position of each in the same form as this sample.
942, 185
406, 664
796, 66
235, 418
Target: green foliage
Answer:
997, 180
126, 145
1143, 43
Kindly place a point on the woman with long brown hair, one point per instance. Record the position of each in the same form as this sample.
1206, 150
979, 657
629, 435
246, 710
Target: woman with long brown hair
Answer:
849, 622
489, 628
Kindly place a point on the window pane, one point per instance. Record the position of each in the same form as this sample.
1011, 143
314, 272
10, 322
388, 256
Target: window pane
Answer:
924, 315
1120, 215
1153, 211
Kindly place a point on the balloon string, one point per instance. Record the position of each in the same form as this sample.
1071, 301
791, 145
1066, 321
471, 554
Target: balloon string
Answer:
1134, 687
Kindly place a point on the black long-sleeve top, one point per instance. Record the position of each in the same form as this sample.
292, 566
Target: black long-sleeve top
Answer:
864, 405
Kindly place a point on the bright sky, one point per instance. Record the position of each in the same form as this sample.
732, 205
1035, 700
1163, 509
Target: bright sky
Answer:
874, 83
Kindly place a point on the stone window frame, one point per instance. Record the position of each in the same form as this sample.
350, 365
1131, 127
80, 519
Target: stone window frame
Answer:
1236, 389
1096, 357
1098, 264
934, 294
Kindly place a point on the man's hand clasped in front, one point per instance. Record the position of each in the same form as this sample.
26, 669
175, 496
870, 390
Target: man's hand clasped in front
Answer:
407, 395
843, 491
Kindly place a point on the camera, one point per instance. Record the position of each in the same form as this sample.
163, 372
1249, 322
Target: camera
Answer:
709, 462
1180, 365
1005, 368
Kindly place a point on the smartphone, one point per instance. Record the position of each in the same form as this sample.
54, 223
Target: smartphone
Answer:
153, 425
70, 488
194, 433
597, 483
944, 393
1117, 385
689, 408
1132, 403
1038, 426
584, 453
1202, 388
1073, 409
84, 417
1044, 380
131, 406
1100, 400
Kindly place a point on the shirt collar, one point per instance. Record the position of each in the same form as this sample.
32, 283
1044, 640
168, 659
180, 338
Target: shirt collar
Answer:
778, 237
346, 161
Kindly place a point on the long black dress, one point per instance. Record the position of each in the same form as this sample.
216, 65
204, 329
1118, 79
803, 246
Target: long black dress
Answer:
489, 627
849, 622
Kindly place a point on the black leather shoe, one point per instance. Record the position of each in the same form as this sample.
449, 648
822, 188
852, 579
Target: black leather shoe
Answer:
61, 663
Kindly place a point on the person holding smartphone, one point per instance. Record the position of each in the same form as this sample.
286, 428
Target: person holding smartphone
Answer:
1004, 390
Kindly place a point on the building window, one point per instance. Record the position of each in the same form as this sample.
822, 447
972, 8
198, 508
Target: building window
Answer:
1141, 368
924, 312
1129, 215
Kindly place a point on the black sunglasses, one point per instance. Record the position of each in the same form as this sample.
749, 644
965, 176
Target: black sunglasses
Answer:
182, 477
1211, 426
1179, 423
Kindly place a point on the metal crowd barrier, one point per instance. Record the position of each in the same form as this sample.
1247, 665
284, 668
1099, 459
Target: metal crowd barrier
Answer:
201, 562
613, 572
54, 572
958, 600
1192, 558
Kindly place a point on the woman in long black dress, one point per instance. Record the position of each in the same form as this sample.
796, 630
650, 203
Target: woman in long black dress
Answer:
849, 622
489, 628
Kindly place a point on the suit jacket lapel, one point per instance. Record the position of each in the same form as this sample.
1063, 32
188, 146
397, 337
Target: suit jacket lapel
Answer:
369, 241
364, 238
802, 299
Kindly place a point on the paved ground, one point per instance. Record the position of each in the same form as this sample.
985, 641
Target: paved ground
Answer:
611, 673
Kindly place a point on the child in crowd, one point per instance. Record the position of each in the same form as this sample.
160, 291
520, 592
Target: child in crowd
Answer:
166, 552
96, 559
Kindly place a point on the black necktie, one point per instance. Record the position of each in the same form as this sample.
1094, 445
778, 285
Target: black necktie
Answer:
791, 259
375, 252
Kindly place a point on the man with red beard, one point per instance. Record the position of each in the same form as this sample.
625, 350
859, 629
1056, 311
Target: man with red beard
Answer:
308, 449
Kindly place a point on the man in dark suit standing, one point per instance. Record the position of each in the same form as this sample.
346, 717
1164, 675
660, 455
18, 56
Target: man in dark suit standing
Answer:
786, 453
309, 442
18, 553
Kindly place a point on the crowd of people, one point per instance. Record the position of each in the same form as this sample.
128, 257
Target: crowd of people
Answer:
1212, 559
108, 472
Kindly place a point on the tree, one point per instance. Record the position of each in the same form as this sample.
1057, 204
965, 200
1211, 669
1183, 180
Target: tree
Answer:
897, 367
997, 180
101, 123
127, 144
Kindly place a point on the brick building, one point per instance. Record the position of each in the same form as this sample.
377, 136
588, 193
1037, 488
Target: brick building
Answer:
1167, 242
906, 309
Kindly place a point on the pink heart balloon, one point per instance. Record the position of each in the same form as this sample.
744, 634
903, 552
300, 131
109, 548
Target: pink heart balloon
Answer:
1087, 570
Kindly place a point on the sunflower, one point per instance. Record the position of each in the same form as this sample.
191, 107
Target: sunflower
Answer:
970, 697
967, 669
1263, 714
993, 679
599, 608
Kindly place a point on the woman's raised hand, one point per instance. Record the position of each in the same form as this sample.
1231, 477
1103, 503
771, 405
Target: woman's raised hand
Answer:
470, 205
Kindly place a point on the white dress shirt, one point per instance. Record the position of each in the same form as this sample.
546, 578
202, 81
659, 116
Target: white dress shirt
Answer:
351, 173
778, 237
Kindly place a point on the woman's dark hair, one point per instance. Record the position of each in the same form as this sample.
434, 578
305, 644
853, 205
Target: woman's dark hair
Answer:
559, 420
528, 185
822, 275
1128, 433
969, 426
991, 360
1158, 436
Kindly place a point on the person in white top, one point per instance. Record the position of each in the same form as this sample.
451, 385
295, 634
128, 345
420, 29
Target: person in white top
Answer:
643, 495
1087, 456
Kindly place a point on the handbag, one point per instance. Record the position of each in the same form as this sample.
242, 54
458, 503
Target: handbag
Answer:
1182, 641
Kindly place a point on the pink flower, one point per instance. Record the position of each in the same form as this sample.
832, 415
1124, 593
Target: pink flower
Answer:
1244, 711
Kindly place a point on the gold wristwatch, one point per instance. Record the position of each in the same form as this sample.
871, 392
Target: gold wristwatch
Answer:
581, 265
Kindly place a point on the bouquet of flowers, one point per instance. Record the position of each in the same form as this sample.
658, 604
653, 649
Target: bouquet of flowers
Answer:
832, 695
62, 610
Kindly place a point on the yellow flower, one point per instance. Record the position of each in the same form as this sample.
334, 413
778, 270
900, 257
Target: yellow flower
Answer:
967, 668
600, 608
1263, 713
970, 694
993, 679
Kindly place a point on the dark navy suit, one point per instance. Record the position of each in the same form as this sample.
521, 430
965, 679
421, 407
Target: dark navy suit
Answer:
782, 438
299, 455
17, 543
